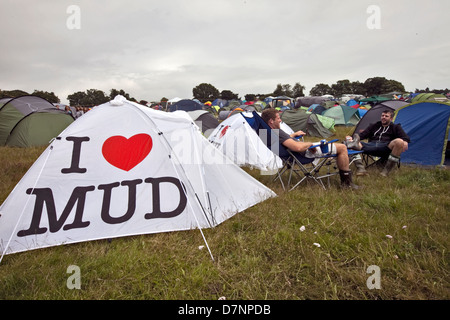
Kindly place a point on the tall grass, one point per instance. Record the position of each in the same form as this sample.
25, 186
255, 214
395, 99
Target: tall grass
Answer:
261, 253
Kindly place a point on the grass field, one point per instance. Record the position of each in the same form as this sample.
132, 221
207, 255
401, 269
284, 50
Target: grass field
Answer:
399, 224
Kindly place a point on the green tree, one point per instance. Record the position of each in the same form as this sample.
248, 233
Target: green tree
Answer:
114, 92
228, 95
12, 93
91, 97
341, 87
320, 89
297, 90
205, 92
49, 96
379, 85
76, 98
357, 88
95, 97
283, 90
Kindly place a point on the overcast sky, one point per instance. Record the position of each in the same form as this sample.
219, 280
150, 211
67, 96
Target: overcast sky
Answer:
154, 49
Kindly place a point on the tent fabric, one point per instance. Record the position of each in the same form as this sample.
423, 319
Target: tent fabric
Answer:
38, 128
374, 114
14, 109
124, 169
429, 97
307, 122
238, 141
374, 99
308, 101
427, 124
342, 115
204, 120
185, 105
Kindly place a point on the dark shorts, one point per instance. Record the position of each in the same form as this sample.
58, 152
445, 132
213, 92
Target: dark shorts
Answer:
375, 147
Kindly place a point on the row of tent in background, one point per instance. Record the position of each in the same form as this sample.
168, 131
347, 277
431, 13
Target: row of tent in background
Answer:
32, 121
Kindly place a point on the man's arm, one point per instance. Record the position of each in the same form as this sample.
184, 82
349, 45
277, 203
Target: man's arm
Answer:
297, 134
400, 133
365, 134
297, 146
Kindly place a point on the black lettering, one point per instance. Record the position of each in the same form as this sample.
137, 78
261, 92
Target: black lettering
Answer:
76, 152
45, 196
157, 213
107, 188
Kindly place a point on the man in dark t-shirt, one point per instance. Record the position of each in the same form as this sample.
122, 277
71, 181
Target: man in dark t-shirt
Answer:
383, 136
272, 118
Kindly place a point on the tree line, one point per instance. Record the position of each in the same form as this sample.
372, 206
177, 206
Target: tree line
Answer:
207, 92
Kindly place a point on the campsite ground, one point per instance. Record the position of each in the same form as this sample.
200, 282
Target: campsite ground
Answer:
398, 225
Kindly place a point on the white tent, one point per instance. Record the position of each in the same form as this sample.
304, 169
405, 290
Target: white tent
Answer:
124, 169
237, 140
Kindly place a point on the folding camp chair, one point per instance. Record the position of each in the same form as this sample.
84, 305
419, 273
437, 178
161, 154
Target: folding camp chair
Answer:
295, 164
375, 159
327, 160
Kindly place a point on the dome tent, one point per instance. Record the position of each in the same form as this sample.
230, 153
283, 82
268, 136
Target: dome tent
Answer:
427, 123
307, 122
342, 115
39, 128
374, 114
14, 109
186, 105
120, 170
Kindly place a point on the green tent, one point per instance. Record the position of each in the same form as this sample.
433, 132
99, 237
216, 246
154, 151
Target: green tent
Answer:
429, 96
327, 122
374, 99
14, 109
39, 128
299, 119
343, 115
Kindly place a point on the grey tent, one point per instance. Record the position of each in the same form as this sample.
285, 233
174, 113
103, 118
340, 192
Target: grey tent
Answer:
299, 119
14, 109
205, 120
308, 101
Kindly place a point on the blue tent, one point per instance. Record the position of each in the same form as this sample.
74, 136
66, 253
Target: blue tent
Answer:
186, 105
351, 102
427, 124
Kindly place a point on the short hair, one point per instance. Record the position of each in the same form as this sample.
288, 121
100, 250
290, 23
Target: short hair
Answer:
391, 113
269, 113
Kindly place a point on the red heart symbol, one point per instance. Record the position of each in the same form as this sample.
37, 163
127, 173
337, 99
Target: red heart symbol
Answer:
126, 153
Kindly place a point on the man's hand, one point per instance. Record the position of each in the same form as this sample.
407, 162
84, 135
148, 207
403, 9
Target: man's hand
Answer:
299, 133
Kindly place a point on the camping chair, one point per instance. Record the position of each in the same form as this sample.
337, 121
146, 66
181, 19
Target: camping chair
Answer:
329, 161
375, 158
294, 164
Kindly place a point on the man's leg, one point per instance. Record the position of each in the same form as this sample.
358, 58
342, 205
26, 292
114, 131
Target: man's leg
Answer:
343, 166
342, 157
397, 146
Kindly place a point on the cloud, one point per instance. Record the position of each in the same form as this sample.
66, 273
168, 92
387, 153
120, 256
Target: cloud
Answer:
155, 49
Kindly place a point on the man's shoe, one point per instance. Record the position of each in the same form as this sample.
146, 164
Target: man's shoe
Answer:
360, 168
353, 144
347, 181
390, 164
